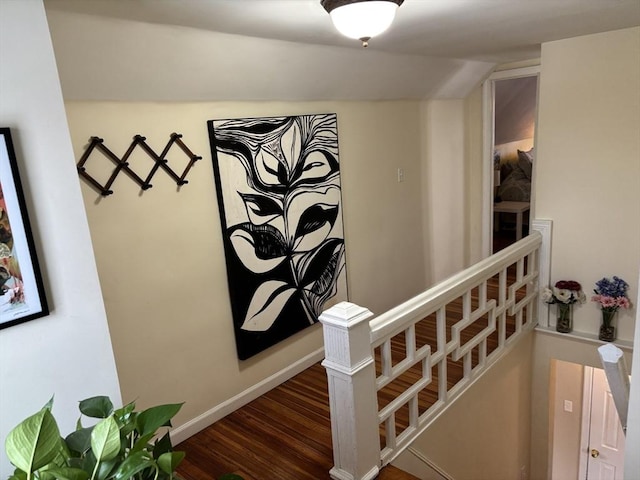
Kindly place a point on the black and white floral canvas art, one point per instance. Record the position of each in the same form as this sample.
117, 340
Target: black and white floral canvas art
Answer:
278, 184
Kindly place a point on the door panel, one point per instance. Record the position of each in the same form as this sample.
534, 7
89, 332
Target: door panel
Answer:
606, 438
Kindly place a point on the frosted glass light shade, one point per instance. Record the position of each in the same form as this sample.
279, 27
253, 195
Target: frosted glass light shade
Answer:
363, 20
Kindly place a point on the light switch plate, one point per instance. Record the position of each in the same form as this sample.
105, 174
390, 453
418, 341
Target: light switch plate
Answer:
568, 406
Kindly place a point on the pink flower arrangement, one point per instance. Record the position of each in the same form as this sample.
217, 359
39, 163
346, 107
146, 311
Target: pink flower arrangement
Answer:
611, 302
611, 294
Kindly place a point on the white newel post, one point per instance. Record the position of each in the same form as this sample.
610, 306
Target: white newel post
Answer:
352, 392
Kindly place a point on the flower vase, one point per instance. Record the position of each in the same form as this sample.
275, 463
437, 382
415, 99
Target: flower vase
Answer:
607, 330
564, 319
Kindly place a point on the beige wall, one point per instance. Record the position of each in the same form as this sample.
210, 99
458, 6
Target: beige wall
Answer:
160, 256
160, 259
587, 180
443, 187
566, 384
587, 177
162, 267
473, 177
588, 183
484, 435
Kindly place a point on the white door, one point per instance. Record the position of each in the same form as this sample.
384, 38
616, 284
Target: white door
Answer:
605, 449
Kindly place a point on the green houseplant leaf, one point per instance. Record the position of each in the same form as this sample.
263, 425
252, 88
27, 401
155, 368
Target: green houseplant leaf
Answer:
64, 473
106, 468
34, 443
80, 440
18, 475
142, 443
105, 439
168, 462
128, 409
134, 464
163, 445
153, 418
116, 448
96, 407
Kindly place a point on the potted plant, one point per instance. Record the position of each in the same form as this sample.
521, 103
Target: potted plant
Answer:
565, 294
611, 295
119, 446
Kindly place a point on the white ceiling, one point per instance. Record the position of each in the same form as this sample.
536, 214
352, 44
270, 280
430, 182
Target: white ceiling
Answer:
264, 50
497, 31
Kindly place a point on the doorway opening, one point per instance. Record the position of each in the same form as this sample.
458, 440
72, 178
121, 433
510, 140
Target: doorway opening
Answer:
510, 113
587, 438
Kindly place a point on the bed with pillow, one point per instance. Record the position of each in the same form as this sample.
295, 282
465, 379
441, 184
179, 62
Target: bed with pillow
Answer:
515, 178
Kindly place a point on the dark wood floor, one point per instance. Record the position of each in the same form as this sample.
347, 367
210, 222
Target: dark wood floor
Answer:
286, 435
283, 434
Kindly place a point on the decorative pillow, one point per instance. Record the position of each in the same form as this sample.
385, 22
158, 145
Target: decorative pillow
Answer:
518, 173
505, 171
513, 189
525, 162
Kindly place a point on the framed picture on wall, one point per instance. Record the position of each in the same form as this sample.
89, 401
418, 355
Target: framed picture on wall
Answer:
22, 295
279, 195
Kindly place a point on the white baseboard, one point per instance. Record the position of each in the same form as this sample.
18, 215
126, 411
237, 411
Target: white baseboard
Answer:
435, 469
186, 430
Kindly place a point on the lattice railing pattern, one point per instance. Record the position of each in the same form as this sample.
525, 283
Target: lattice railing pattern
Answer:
440, 347
123, 165
418, 357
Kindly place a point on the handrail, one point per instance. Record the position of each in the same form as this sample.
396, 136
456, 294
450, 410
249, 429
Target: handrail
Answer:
381, 370
615, 369
394, 320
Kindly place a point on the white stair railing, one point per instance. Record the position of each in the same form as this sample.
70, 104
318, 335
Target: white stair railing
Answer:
615, 368
391, 376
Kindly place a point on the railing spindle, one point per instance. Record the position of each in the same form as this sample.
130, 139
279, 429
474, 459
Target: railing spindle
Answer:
502, 312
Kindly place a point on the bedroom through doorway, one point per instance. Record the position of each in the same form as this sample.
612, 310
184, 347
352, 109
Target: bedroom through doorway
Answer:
511, 100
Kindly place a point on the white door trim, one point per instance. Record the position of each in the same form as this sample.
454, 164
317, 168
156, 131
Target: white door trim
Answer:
488, 91
585, 428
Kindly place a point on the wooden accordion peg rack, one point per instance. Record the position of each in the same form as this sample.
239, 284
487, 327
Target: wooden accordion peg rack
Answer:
122, 164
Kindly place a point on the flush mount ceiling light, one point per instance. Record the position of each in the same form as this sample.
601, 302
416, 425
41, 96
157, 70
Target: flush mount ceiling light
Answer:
361, 19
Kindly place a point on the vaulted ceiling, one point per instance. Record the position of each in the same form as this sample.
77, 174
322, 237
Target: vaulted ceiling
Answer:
436, 47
